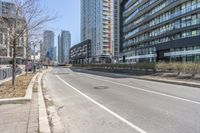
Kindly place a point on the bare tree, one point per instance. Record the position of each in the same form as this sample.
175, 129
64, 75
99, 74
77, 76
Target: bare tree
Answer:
26, 19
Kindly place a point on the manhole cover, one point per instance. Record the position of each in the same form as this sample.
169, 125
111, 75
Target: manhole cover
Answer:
101, 87
60, 73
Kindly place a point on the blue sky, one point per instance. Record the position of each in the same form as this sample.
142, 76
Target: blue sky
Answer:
68, 17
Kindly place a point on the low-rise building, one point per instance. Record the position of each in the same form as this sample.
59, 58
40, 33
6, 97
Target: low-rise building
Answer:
81, 53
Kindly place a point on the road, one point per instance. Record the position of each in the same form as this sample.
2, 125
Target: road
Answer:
96, 102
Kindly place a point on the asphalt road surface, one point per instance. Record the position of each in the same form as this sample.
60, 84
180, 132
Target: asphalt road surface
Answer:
96, 102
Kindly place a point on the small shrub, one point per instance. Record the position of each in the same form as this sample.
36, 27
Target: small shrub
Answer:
164, 67
190, 68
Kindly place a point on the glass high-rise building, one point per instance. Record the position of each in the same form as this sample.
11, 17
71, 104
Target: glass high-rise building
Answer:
55, 54
59, 49
48, 44
64, 46
160, 30
97, 25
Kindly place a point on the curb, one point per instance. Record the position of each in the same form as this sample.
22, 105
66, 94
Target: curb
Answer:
43, 117
21, 100
191, 84
183, 83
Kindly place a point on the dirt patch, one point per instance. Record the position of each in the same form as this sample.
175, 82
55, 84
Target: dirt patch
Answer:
22, 82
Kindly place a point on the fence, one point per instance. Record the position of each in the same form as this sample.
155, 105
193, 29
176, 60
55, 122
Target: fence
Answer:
7, 72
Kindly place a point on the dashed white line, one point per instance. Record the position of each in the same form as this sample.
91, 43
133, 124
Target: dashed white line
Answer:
105, 108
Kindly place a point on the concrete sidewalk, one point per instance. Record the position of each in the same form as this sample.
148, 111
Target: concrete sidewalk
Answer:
20, 118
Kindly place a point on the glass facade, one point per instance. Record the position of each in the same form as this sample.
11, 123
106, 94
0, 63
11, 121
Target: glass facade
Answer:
149, 27
65, 45
48, 44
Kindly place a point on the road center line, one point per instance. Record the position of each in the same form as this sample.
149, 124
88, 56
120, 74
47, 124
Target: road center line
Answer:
105, 108
149, 91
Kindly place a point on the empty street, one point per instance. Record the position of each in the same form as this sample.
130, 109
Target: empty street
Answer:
96, 102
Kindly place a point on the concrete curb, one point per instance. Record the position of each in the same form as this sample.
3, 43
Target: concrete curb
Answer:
183, 83
175, 82
43, 117
21, 100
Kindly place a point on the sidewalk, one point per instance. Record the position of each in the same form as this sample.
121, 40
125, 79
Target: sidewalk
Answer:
20, 118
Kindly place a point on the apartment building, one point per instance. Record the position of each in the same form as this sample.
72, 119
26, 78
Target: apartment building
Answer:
97, 24
81, 53
7, 17
159, 30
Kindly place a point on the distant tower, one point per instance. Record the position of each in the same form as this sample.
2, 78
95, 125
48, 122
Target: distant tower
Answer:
48, 44
59, 49
65, 46
55, 54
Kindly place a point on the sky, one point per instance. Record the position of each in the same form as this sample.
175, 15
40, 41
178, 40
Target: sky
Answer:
67, 14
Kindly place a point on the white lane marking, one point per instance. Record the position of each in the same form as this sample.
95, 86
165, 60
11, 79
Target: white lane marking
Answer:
195, 88
105, 108
149, 91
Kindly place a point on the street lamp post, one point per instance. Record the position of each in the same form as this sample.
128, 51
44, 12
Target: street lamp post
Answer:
34, 66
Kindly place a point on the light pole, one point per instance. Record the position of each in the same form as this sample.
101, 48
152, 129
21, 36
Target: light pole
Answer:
34, 66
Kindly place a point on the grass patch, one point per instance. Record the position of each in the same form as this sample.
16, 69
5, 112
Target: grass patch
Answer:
22, 82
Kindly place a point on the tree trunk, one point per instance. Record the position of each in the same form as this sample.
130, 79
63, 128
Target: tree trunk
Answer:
26, 62
14, 64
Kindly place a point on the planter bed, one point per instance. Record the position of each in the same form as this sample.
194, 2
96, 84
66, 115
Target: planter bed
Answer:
22, 82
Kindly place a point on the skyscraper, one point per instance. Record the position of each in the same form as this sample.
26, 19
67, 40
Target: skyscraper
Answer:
48, 44
59, 49
64, 44
97, 25
55, 53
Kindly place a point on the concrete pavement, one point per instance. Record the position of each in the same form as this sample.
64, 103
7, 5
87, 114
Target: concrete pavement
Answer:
19, 118
102, 103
